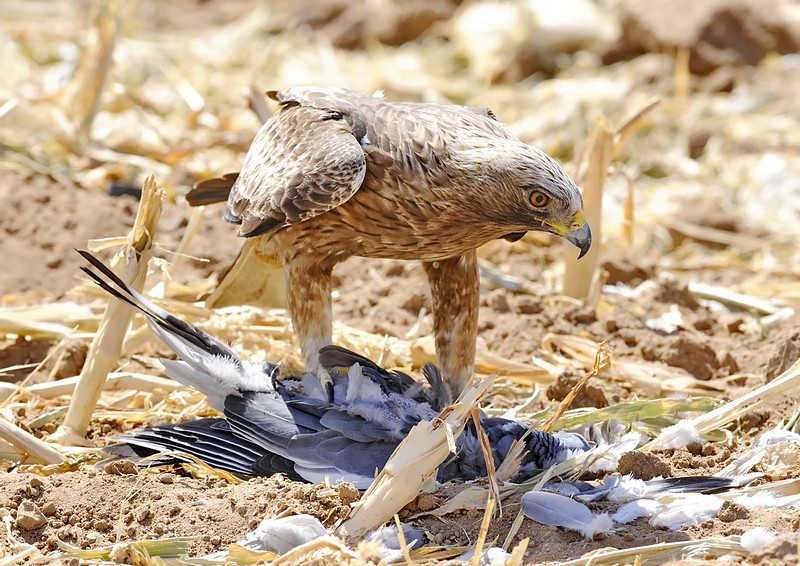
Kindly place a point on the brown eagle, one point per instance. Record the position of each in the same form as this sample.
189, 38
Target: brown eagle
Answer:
336, 173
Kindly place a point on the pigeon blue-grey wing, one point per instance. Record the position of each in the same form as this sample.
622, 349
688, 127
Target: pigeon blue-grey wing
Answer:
439, 396
211, 449
340, 458
303, 450
332, 357
356, 428
467, 463
264, 419
327, 453
364, 459
210, 440
542, 449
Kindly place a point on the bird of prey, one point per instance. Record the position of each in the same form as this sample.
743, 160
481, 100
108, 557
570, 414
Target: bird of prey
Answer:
336, 173
276, 423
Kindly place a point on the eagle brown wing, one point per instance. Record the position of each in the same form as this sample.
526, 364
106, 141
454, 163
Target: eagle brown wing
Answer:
304, 161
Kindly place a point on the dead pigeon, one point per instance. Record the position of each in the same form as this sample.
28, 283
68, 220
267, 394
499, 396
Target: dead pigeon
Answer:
284, 423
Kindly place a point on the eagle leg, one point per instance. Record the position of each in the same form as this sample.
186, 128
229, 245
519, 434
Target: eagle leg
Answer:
455, 288
308, 294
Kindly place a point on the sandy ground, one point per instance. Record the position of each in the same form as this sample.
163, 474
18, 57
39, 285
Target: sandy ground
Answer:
42, 219
92, 507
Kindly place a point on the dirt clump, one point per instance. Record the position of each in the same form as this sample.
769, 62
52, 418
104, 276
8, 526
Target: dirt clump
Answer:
692, 352
21, 351
782, 550
732, 511
673, 292
589, 396
697, 459
754, 420
626, 272
643, 465
785, 350
29, 516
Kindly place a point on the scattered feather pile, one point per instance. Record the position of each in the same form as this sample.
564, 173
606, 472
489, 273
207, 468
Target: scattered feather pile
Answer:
668, 502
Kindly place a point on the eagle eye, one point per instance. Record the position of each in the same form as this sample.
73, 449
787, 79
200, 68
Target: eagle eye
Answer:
539, 199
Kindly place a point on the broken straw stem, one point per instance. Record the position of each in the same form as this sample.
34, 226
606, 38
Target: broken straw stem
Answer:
414, 460
38, 450
105, 348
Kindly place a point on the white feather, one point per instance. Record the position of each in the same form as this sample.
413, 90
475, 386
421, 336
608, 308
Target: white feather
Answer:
679, 435
627, 489
253, 377
766, 500
755, 538
687, 511
491, 555
635, 509
312, 387
777, 435
283, 534
360, 388
217, 376
191, 377
224, 370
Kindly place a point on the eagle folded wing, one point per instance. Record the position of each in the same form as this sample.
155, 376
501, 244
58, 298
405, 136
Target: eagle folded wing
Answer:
303, 162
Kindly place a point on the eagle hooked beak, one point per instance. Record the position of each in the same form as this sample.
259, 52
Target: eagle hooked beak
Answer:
578, 234
581, 238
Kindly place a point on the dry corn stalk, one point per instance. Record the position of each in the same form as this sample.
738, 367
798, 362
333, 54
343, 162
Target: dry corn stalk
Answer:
37, 450
482, 534
115, 381
631, 123
131, 265
578, 274
50, 320
491, 473
518, 554
95, 66
401, 538
602, 361
411, 464
250, 281
682, 77
603, 148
